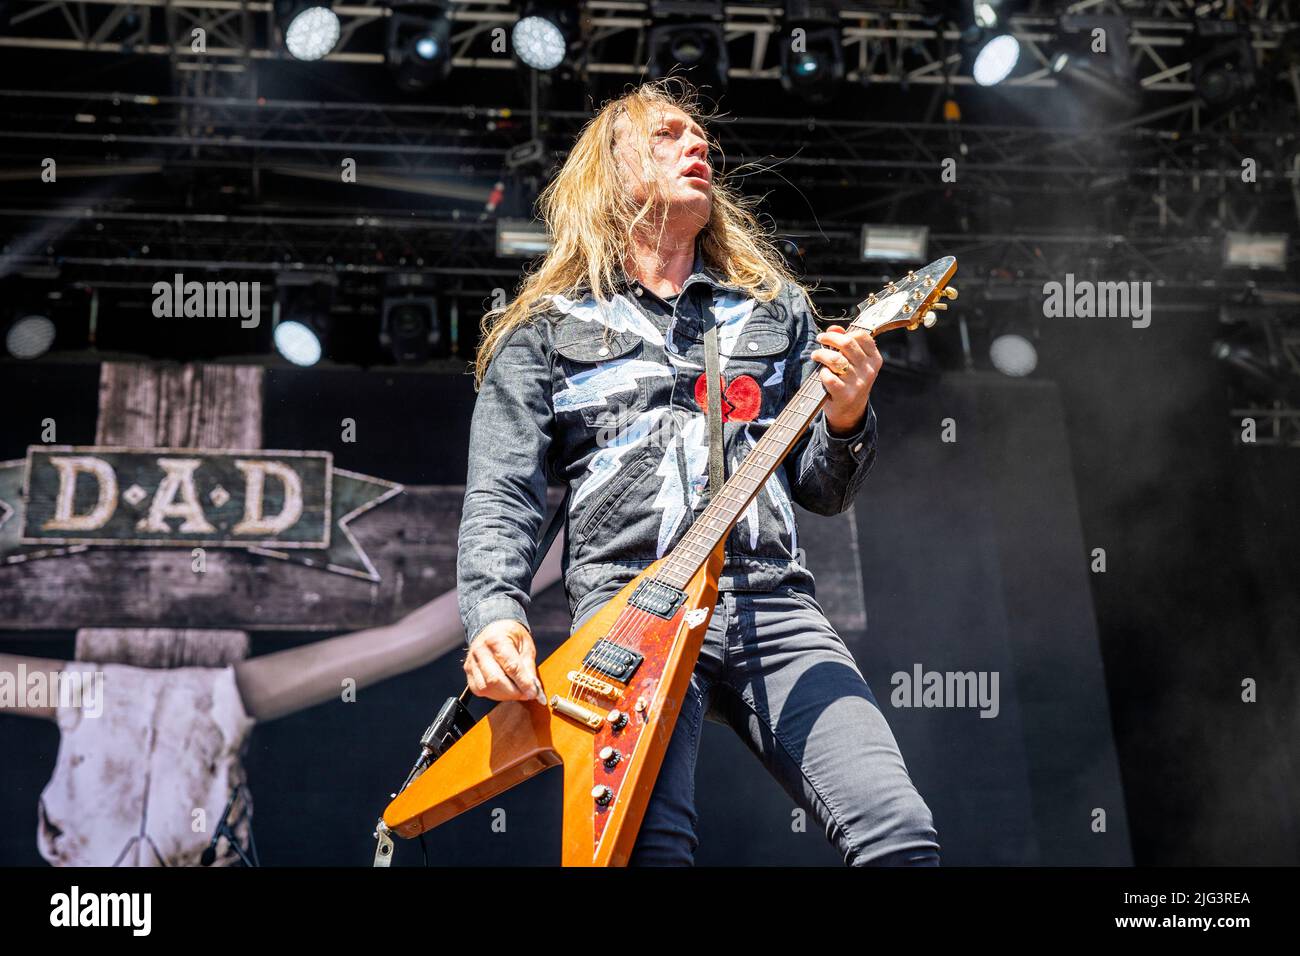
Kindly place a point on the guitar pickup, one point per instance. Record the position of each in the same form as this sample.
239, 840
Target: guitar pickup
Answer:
658, 598
613, 660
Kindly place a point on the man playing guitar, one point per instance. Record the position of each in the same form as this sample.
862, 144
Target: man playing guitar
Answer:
593, 377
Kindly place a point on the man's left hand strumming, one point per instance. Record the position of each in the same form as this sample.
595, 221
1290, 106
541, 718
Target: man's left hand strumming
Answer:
848, 375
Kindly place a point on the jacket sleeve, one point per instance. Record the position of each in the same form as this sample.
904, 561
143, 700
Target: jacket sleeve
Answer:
505, 488
825, 471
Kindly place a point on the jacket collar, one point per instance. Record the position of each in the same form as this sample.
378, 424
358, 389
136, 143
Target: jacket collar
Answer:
700, 272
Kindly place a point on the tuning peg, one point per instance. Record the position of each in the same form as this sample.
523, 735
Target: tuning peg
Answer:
940, 306
949, 292
929, 320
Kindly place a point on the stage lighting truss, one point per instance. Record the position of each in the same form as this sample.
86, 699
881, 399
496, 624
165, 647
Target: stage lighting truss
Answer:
686, 39
909, 44
310, 28
419, 45
545, 30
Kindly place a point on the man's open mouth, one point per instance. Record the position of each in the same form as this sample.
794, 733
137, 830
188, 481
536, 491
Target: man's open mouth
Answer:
697, 171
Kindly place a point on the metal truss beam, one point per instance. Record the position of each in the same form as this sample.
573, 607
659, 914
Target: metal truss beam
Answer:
900, 43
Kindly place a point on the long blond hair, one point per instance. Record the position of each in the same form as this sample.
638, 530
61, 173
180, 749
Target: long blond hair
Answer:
591, 220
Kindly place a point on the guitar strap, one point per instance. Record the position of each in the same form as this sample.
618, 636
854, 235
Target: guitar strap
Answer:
713, 374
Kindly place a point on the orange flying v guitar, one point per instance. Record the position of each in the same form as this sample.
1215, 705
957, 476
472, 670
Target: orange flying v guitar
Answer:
614, 685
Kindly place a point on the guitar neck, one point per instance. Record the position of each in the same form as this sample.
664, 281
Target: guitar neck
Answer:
720, 516
904, 303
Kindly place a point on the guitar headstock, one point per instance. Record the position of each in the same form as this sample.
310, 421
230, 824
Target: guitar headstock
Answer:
909, 302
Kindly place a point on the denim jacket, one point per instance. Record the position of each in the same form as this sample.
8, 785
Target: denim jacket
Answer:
610, 400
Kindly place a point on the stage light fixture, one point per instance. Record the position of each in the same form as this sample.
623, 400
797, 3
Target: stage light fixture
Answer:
995, 58
302, 315
1223, 62
521, 239
812, 55
29, 336
298, 342
1255, 250
895, 243
686, 39
310, 28
543, 32
409, 326
1014, 355
1102, 77
419, 45
988, 46
1253, 346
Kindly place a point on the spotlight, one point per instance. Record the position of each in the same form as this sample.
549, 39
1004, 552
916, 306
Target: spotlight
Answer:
812, 57
686, 39
1253, 346
521, 239
1256, 250
1223, 62
310, 28
986, 39
410, 329
995, 59
419, 45
302, 304
29, 336
1096, 66
1013, 354
543, 32
985, 13
298, 342
894, 243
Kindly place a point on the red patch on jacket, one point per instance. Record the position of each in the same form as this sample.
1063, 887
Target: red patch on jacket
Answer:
741, 397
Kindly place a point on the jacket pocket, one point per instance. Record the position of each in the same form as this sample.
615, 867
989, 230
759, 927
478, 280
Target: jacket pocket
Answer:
610, 497
761, 341
605, 375
755, 374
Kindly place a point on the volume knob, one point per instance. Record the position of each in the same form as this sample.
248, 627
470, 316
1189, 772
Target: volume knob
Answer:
602, 794
617, 719
609, 757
